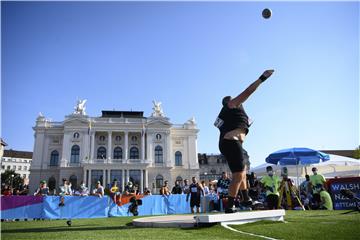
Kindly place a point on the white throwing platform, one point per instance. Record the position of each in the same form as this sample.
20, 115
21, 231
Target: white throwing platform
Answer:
241, 217
189, 221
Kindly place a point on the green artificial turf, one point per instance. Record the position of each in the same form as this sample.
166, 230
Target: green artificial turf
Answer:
298, 225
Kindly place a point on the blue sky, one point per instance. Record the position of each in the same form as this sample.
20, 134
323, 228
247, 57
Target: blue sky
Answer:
188, 55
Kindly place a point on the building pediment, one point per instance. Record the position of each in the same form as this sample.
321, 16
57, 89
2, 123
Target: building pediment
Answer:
159, 123
75, 121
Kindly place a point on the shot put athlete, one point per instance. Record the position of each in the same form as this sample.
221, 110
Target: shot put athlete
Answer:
233, 124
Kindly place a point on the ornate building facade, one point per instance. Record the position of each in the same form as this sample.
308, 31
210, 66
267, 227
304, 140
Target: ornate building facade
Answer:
122, 145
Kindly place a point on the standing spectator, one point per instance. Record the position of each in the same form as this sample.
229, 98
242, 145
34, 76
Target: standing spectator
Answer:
271, 184
43, 190
305, 192
177, 188
205, 188
315, 181
98, 190
223, 185
164, 190
114, 192
186, 187
213, 199
195, 195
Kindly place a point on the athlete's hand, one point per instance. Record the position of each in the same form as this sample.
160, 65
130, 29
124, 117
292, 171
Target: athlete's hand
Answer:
266, 75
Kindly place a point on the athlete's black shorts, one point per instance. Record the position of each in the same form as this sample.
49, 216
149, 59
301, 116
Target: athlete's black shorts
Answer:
234, 154
195, 202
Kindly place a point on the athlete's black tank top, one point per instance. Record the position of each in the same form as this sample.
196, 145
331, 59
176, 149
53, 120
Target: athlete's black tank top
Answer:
232, 118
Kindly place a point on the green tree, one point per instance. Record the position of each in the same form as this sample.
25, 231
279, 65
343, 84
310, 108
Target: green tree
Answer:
10, 177
357, 153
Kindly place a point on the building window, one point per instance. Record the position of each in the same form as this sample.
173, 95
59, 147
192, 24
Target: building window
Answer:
133, 138
159, 181
102, 138
118, 153
96, 175
178, 159
179, 179
116, 175
117, 138
19, 168
25, 168
8, 167
2, 166
73, 181
14, 167
76, 135
158, 154
101, 153
134, 153
158, 136
54, 158
75, 154
135, 177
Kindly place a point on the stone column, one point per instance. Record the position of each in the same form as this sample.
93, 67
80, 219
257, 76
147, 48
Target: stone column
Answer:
146, 178
92, 146
126, 146
141, 181
108, 176
123, 179
143, 145
109, 151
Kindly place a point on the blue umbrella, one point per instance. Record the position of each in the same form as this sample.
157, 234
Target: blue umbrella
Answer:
297, 156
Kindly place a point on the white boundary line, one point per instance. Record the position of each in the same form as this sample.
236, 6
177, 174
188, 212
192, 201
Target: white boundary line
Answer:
225, 225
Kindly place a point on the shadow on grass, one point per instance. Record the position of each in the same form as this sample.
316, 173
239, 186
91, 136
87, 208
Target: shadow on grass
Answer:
74, 228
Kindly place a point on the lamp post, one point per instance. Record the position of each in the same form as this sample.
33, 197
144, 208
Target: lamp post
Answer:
12, 180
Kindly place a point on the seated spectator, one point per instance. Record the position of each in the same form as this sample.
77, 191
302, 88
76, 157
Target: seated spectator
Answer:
325, 199
164, 190
7, 191
177, 188
98, 190
65, 189
129, 189
43, 190
83, 190
147, 192
23, 188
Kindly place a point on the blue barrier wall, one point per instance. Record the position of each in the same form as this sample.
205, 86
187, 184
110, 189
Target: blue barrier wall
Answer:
94, 207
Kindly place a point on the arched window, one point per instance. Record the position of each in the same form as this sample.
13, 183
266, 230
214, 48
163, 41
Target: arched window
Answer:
73, 181
117, 138
54, 158
101, 153
134, 138
158, 154
75, 154
134, 153
76, 135
158, 136
52, 183
118, 153
159, 181
178, 158
102, 138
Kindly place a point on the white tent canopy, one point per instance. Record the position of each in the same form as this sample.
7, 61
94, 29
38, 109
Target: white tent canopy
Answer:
337, 166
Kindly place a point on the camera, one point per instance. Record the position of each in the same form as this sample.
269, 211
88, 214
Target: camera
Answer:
133, 208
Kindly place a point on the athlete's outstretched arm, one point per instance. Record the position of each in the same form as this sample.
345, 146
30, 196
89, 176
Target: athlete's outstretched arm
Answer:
233, 103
